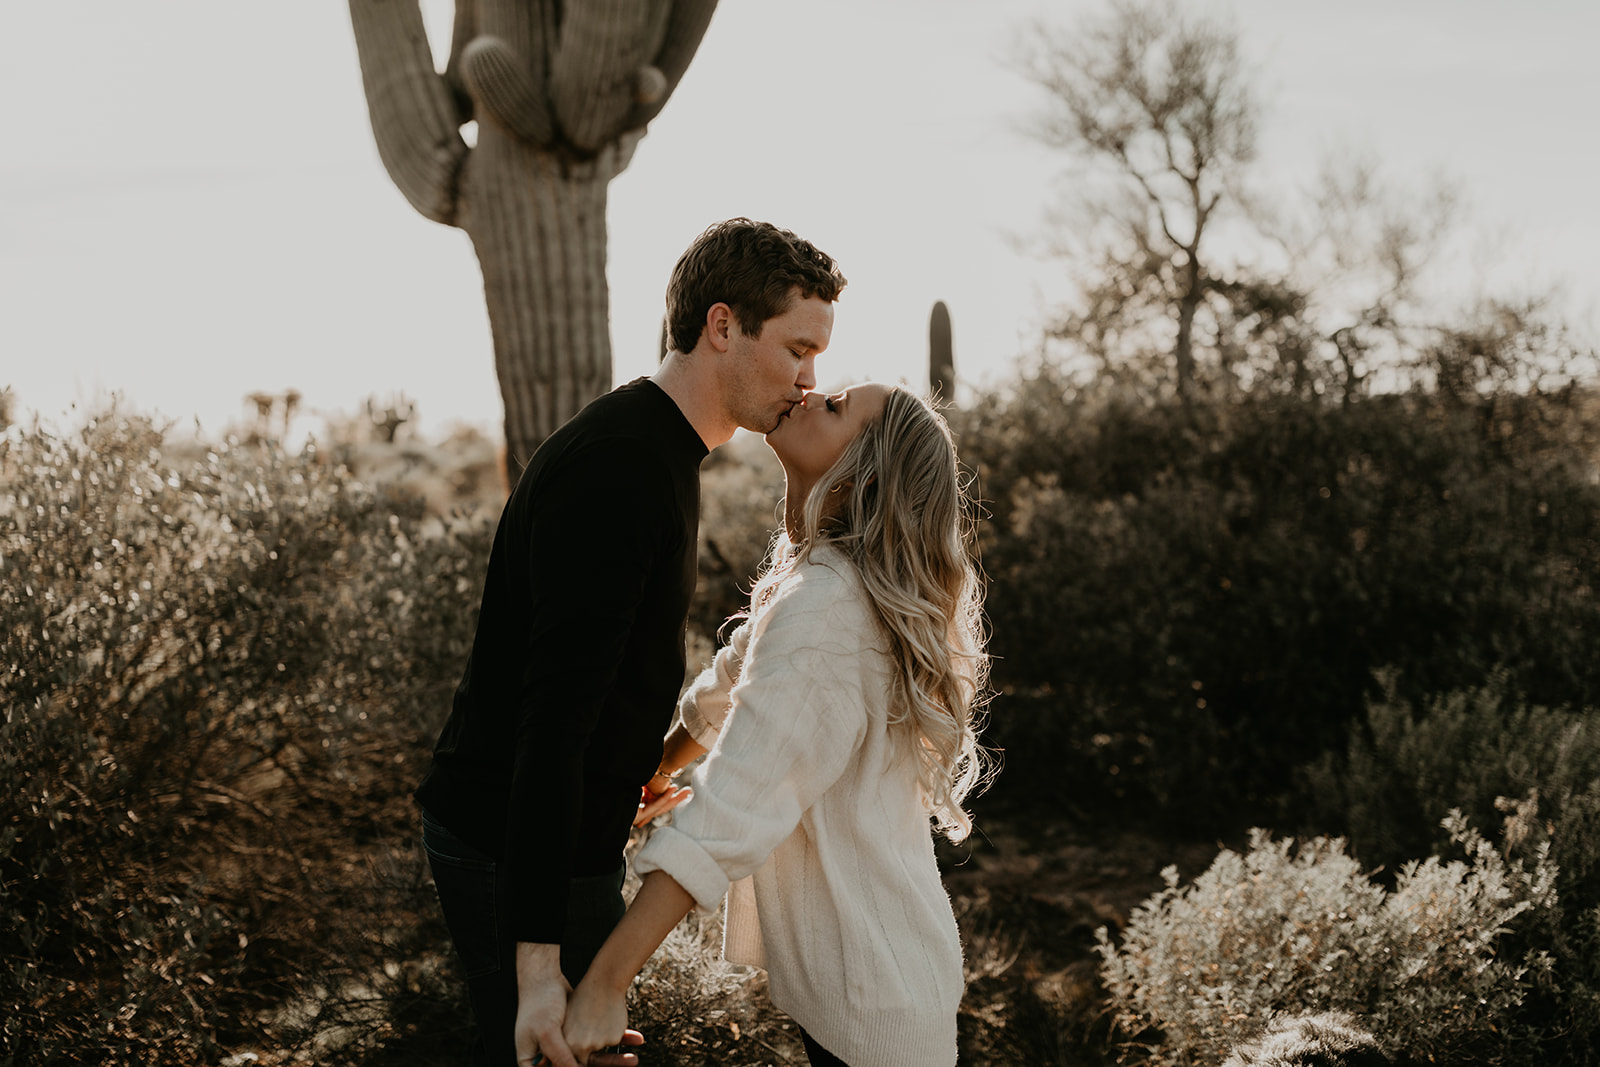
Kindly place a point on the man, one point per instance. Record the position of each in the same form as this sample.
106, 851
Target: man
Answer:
579, 654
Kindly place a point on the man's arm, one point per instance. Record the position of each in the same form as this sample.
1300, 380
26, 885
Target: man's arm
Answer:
541, 1005
591, 548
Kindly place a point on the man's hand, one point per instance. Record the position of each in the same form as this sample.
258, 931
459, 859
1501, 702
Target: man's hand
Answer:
653, 804
596, 1019
541, 1006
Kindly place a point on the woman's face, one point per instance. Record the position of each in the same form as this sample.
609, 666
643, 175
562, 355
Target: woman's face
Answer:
814, 434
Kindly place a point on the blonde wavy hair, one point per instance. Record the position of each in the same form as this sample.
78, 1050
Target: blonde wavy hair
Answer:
895, 505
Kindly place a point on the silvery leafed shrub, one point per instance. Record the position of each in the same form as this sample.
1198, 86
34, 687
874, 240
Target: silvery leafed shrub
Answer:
1286, 929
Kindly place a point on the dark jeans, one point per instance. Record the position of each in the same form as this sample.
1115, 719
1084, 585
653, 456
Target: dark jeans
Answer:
819, 1056
475, 897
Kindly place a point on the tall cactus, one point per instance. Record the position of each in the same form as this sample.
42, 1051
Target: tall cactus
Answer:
563, 89
941, 354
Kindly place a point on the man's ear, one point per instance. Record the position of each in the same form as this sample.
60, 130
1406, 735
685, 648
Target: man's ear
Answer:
719, 326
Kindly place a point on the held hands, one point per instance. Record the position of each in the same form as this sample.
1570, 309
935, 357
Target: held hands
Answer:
596, 1019
543, 1011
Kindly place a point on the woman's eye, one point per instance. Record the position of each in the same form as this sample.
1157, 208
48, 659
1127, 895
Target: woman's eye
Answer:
827, 402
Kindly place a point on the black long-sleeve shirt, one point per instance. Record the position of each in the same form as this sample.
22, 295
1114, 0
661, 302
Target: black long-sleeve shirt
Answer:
579, 653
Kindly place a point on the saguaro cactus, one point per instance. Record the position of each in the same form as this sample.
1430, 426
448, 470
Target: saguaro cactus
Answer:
941, 354
563, 90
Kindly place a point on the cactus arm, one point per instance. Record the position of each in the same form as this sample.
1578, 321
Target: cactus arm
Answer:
685, 28
506, 91
941, 354
611, 66
413, 117
464, 29
598, 68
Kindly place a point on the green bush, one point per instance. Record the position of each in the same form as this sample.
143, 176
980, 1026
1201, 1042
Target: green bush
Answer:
1482, 750
1495, 757
216, 675
1188, 602
1202, 967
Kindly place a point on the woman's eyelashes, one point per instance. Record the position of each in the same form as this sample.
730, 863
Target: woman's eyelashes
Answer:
827, 402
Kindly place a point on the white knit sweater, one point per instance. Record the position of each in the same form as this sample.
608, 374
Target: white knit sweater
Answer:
807, 815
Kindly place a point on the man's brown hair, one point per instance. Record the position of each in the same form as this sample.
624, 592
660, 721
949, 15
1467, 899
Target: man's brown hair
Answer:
754, 268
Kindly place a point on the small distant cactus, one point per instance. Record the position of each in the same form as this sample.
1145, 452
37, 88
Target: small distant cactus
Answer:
388, 416
287, 403
941, 354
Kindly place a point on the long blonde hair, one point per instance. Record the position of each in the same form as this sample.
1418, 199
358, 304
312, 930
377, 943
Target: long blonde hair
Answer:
894, 505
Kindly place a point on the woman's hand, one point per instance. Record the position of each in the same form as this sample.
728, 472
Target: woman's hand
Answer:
596, 1019
653, 804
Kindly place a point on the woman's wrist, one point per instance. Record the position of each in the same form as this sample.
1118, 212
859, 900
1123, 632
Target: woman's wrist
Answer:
605, 977
664, 778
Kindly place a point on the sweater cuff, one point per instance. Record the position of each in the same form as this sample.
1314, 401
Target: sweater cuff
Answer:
700, 728
679, 855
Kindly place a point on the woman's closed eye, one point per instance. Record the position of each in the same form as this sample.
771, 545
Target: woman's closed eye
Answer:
827, 402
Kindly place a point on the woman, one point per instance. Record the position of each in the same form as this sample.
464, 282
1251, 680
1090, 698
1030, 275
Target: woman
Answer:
841, 715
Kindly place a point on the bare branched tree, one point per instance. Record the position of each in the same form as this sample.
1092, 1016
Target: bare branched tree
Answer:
1156, 99
1191, 284
563, 89
1362, 260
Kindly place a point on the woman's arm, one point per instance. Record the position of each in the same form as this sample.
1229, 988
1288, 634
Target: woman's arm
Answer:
597, 1014
660, 794
680, 749
702, 710
704, 706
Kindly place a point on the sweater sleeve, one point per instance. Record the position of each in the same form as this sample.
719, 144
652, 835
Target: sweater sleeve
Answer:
703, 708
797, 719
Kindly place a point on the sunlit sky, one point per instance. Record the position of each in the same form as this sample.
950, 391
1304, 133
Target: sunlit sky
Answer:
192, 208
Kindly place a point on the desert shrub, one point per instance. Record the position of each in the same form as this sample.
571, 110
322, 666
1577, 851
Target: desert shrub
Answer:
215, 675
693, 1007
1495, 757
1188, 602
1321, 1038
1482, 750
741, 484
1201, 967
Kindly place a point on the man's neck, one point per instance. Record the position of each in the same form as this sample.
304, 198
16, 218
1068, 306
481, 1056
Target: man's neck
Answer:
688, 382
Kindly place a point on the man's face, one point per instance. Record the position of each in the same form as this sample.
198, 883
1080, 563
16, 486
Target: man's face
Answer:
765, 376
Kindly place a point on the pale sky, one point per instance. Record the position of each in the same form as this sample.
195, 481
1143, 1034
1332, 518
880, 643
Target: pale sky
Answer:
192, 208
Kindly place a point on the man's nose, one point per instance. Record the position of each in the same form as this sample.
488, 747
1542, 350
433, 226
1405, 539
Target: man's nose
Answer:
807, 378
